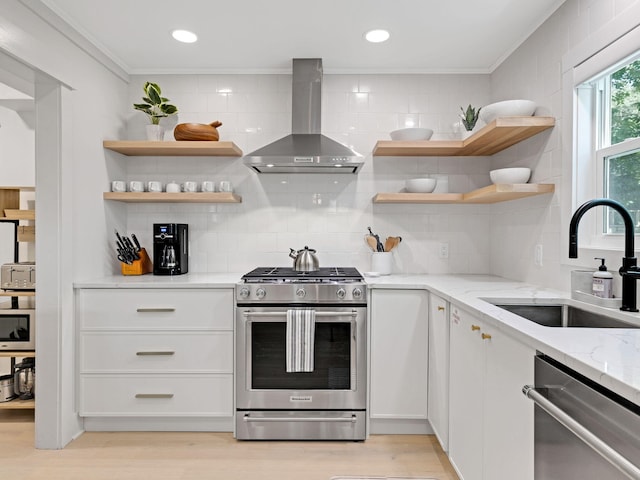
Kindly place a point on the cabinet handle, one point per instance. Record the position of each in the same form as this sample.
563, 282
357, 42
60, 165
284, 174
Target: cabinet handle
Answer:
154, 395
440, 308
155, 309
475, 327
143, 354
486, 336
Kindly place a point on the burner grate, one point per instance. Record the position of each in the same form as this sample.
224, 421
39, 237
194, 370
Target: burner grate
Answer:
288, 274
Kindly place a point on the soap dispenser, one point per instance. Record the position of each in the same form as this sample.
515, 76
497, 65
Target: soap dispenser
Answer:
602, 281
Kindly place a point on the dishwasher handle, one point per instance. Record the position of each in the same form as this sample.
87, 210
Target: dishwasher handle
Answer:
608, 453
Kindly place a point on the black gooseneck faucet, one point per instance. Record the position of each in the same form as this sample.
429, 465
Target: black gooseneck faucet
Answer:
629, 270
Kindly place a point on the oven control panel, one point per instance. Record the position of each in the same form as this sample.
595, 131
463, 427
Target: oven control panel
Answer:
296, 293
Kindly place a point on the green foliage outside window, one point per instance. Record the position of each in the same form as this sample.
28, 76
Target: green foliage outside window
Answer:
623, 171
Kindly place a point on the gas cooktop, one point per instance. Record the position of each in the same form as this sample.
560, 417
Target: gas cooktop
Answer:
289, 275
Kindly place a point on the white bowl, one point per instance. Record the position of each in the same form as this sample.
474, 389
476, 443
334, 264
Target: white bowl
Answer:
508, 108
420, 185
411, 134
510, 175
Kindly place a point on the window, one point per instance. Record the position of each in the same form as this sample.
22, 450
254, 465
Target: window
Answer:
611, 103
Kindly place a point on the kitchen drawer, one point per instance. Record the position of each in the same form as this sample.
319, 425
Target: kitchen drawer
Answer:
165, 352
156, 395
156, 308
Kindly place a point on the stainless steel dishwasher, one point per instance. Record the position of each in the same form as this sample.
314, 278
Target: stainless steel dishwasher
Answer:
582, 430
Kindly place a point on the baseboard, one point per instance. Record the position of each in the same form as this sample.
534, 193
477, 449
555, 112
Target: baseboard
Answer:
157, 424
390, 426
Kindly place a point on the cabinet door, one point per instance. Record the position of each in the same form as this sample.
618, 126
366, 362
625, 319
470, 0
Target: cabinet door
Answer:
466, 390
438, 380
508, 427
399, 349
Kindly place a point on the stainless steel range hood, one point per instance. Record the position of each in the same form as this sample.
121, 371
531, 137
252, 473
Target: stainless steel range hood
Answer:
306, 150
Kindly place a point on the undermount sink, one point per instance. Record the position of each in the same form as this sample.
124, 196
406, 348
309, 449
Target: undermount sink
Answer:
564, 316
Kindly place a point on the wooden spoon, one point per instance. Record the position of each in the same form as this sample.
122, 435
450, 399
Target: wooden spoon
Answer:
389, 243
372, 242
392, 243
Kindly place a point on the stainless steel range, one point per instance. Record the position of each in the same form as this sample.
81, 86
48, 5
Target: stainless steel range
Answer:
301, 355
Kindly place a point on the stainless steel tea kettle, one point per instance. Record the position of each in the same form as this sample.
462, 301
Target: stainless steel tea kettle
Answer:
305, 260
24, 379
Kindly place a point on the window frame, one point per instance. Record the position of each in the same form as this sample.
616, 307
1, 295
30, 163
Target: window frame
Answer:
604, 50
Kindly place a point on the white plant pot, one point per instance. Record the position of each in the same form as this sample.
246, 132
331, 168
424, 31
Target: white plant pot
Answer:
155, 133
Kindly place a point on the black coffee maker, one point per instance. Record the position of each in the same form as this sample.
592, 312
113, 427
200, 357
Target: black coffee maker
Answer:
170, 248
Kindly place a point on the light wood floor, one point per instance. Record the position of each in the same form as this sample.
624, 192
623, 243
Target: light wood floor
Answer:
182, 456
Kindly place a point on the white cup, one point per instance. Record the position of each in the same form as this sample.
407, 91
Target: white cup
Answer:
172, 187
154, 186
225, 186
136, 186
189, 187
118, 186
208, 186
382, 262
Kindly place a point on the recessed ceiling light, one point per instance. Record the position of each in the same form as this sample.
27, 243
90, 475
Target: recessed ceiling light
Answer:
184, 36
377, 36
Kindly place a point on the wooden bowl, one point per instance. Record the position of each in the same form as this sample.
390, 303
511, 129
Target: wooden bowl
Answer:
197, 131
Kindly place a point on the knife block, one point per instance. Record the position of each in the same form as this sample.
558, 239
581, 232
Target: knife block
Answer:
138, 267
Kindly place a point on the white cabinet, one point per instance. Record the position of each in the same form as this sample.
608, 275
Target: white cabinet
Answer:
399, 353
438, 380
155, 352
491, 422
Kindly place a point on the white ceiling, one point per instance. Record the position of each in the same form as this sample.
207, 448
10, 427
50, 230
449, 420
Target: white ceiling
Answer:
439, 36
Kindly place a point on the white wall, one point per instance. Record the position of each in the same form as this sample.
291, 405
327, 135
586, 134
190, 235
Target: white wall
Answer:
72, 221
330, 213
534, 71
17, 137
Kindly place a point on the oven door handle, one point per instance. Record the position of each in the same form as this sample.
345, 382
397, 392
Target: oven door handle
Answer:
593, 441
249, 313
351, 419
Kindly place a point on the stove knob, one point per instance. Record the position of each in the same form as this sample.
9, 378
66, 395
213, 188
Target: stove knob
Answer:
260, 293
357, 293
341, 293
244, 292
300, 293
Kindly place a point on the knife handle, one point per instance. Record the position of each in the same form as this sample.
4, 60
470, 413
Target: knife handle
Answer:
135, 241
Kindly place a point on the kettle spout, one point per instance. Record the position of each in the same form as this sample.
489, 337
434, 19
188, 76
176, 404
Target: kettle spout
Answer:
293, 254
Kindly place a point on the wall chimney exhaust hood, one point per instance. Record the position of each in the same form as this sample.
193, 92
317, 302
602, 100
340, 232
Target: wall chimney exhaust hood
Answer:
306, 150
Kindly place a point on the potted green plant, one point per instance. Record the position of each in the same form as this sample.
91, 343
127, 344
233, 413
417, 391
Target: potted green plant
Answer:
469, 118
155, 106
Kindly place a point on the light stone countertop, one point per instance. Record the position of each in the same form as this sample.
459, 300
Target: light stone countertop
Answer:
188, 280
610, 357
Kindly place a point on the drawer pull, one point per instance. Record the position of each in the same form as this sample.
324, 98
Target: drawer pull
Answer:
440, 308
475, 327
144, 354
154, 395
155, 309
486, 336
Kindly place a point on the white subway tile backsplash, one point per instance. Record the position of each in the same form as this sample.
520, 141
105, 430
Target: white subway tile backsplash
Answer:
330, 213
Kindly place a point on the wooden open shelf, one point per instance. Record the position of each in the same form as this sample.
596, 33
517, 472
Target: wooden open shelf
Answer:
16, 214
16, 293
175, 149
17, 353
10, 204
492, 138
490, 194
18, 404
169, 197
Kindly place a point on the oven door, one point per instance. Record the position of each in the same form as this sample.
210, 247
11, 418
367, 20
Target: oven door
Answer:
338, 381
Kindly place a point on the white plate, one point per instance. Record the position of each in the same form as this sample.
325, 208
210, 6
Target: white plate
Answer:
371, 274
